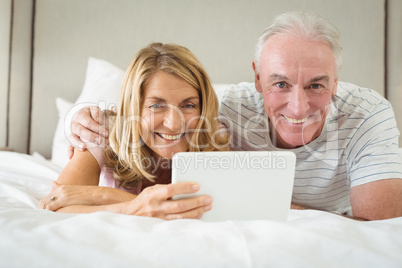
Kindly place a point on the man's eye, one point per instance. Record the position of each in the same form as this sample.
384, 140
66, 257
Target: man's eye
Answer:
281, 84
316, 88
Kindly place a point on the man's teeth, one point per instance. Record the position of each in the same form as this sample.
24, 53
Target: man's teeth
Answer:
171, 137
296, 121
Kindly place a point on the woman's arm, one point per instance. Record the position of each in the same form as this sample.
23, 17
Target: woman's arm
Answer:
116, 208
81, 177
82, 169
68, 195
156, 201
77, 185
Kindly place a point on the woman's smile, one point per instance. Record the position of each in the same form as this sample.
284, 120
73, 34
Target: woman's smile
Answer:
170, 137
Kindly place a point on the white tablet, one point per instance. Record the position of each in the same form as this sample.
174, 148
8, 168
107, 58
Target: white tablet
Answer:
248, 185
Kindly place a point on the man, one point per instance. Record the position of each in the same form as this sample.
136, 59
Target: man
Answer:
345, 137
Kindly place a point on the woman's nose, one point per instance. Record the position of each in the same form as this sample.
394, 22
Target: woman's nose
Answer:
173, 118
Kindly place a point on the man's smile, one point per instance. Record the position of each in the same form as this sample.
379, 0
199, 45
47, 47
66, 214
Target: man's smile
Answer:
296, 121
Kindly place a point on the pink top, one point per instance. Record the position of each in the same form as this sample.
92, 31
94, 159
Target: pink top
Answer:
106, 176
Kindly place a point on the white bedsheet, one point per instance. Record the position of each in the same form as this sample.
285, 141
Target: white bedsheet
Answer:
30, 237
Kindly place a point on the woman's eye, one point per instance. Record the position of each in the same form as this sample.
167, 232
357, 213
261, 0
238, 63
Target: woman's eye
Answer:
156, 106
189, 106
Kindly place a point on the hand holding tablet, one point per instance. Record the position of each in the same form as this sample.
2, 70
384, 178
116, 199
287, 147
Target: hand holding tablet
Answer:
248, 185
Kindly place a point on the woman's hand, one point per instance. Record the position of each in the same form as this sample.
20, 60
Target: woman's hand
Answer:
155, 201
87, 195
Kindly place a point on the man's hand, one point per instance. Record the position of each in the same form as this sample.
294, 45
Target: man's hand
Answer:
296, 206
88, 125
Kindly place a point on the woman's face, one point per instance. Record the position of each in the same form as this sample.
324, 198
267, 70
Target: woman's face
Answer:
170, 112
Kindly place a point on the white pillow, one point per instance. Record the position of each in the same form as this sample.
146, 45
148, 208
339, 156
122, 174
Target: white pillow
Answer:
219, 90
60, 143
102, 86
220, 87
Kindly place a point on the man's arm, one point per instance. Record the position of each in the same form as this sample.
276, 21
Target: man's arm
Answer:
296, 206
377, 200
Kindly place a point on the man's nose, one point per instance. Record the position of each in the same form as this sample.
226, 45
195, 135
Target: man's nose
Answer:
173, 118
298, 102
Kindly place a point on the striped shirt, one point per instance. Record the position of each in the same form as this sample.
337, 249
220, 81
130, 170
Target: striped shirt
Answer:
358, 144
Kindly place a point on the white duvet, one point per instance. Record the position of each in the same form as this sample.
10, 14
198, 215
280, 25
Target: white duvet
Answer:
30, 237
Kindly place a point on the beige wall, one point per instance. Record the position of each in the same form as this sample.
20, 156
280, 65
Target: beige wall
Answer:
394, 58
221, 33
5, 26
20, 76
15, 87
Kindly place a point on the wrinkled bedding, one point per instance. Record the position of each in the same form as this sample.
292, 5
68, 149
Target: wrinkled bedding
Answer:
31, 237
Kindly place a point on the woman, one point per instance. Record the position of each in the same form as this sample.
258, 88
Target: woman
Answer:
167, 106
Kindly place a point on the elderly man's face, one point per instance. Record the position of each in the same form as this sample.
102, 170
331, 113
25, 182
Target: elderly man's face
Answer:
298, 78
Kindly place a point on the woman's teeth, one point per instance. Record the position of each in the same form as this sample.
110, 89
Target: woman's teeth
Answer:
295, 121
171, 137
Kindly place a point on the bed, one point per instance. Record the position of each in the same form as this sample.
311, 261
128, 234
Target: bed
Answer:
38, 238
33, 237
79, 51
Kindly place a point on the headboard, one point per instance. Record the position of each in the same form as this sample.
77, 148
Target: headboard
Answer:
51, 41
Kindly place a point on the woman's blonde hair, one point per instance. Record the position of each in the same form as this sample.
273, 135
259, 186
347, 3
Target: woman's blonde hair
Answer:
127, 153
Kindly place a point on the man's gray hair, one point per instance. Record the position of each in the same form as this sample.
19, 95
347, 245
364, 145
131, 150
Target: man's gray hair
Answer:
304, 25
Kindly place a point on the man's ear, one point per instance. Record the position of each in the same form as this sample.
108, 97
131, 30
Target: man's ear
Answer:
335, 87
257, 78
